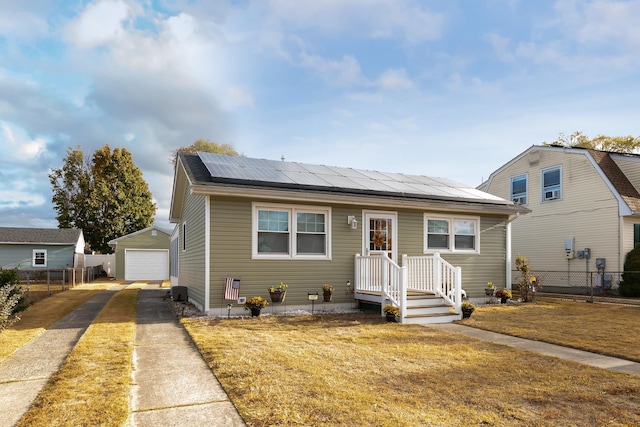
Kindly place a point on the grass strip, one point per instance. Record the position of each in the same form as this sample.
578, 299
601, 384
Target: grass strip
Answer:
43, 314
612, 330
92, 387
359, 370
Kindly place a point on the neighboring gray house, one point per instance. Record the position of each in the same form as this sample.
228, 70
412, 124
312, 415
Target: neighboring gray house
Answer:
579, 198
41, 248
143, 255
263, 222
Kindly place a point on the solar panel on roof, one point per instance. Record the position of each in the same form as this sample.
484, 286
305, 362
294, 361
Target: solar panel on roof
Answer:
333, 177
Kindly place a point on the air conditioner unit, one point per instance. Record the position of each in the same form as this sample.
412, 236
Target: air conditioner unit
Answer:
552, 195
520, 200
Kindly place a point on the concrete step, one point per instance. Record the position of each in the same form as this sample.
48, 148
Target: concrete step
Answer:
428, 309
428, 319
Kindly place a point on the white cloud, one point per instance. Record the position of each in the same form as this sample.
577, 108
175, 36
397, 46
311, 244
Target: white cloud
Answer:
394, 79
11, 199
345, 71
100, 23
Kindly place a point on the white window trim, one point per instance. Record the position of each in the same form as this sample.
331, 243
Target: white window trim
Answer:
543, 199
526, 190
33, 258
452, 248
292, 210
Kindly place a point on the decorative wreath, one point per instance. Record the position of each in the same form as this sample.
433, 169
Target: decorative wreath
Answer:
378, 239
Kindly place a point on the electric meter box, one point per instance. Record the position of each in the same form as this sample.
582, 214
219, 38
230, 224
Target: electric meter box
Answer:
601, 263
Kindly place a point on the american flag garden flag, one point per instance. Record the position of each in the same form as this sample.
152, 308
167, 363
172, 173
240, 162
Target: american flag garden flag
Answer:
232, 288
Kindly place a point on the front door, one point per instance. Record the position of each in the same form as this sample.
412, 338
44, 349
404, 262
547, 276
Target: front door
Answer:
381, 232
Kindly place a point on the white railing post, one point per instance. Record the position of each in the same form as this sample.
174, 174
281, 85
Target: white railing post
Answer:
458, 301
356, 278
404, 280
385, 282
438, 273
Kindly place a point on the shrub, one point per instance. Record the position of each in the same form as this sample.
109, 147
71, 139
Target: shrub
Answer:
630, 285
11, 298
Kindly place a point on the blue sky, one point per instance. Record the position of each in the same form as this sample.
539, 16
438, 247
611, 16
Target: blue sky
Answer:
452, 89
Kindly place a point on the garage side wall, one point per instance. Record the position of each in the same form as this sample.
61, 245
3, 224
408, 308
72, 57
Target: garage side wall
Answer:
144, 240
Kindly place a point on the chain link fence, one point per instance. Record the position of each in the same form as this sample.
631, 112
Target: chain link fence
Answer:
605, 283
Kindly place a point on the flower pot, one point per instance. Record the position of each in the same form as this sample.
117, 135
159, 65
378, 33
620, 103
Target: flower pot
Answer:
255, 312
488, 291
277, 296
327, 296
466, 314
391, 317
503, 300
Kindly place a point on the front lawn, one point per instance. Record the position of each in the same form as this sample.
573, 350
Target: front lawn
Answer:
359, 370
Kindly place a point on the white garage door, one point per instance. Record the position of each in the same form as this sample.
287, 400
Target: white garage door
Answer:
140, 264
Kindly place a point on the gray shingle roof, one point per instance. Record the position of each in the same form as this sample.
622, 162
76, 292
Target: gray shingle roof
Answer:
52, 236
618, 179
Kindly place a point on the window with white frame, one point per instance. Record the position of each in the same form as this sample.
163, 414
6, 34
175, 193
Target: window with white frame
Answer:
282, 231
519, 189
551, 183
184, 236
451, 234
39, 258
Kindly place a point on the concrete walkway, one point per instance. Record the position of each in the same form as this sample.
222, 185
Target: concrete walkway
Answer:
580, 356
25, 373
172, 384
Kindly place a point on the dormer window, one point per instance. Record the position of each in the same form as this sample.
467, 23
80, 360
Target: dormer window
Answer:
552, 184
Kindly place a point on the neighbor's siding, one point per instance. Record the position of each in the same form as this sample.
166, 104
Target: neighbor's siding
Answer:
191, 261
588, 212
21, 256
231, 254
139, 241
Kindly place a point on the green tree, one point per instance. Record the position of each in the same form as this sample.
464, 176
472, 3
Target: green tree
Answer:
204, 146
105, 196
619, 144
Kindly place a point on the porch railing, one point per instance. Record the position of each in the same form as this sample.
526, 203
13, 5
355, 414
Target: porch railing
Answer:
379, 274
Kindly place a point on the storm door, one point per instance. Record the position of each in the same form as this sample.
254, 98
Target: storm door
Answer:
381, 232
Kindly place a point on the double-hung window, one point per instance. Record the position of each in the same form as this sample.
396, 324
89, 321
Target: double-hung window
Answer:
519, 189
282, 231
551, 183
451, 234
39, 258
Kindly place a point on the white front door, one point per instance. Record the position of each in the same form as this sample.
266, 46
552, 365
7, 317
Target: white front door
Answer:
380, 234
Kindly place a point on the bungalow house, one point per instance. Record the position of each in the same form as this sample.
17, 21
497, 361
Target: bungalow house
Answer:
585, 212
142, 255
244, 224
41, 248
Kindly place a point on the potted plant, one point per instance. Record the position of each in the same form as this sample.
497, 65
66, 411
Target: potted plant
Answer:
255, 304
277, 293
391, 312
490, 289
327, 292
467, 308
504, 295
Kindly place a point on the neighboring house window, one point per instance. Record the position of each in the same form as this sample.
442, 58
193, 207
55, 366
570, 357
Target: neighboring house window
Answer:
551, 183
519, 189
451, 234
636, 235
184, 236
291, 232
39, 257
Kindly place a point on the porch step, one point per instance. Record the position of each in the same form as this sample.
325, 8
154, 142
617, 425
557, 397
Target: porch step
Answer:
429, 319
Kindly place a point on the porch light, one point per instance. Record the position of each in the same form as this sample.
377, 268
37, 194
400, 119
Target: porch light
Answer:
351, 220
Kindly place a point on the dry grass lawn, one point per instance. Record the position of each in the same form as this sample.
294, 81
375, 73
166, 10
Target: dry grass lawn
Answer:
602, 328
92, 387
359, 370
41, 315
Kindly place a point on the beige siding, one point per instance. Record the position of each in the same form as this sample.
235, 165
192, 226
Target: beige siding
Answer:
139, 241
588, 212
191, 260
231, 254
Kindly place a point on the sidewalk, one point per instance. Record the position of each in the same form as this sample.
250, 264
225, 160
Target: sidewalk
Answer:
579, 356
172, 384
24, 374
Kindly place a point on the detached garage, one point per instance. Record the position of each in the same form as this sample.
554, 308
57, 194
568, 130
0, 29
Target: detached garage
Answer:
143, 255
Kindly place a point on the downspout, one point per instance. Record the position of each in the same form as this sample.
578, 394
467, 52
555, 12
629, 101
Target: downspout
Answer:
508, 249
207, 252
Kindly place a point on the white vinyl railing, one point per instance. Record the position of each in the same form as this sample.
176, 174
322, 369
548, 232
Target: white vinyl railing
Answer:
380, 274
